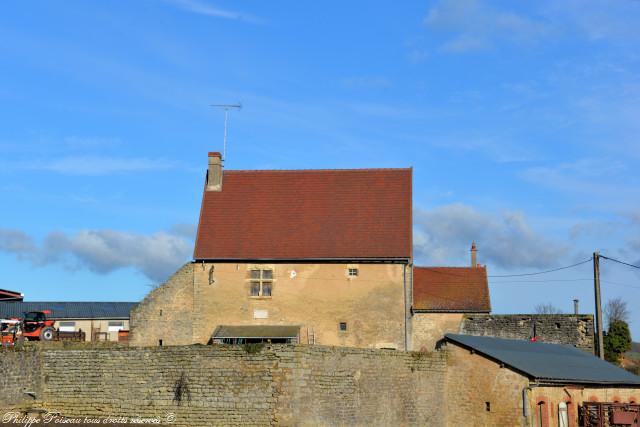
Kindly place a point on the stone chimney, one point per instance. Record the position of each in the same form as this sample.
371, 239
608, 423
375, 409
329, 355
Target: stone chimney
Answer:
214, 175
474, 255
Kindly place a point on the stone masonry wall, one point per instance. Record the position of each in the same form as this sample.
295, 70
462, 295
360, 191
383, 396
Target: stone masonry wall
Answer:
282, 385
429, 328
314, 297
166, 313
19, 372
575, 330
479, 393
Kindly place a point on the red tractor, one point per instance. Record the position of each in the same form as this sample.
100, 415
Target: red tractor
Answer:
36, 326
9, 329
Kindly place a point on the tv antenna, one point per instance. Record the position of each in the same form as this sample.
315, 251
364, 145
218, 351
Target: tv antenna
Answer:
226, 108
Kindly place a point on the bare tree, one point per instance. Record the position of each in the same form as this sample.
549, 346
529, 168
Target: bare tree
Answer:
616, 311
547, 308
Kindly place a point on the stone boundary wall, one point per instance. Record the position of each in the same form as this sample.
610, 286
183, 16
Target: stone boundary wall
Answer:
20, 372
569, 329
197, 385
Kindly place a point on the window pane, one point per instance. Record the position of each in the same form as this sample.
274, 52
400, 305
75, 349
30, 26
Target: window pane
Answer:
255, 274
255, 289
266, 289
267, 274
115, 326
67, 326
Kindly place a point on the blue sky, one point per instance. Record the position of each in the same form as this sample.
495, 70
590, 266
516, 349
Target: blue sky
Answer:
520, 119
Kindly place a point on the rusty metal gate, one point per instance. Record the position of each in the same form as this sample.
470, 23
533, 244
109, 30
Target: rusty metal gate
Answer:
607, 414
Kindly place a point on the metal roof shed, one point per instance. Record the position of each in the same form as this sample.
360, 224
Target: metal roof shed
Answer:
547, 363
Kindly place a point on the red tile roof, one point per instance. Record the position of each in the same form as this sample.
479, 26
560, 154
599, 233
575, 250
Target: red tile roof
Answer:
307, 214
451, 289
10, 295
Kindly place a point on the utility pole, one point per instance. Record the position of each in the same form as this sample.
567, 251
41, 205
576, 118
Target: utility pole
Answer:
226, 108
596, 284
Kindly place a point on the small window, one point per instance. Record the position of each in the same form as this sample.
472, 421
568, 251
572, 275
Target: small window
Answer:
353, 272
343, 326
115, 326
261, 283
487, 406
67, 326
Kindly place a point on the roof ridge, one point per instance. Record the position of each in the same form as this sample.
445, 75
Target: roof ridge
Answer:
72, 302
316, 170
458, 267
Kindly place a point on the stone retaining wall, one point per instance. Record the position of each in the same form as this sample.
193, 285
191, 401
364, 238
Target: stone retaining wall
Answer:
222, 385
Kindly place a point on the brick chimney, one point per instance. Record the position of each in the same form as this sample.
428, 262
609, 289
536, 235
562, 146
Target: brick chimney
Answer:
474, 255
214, 174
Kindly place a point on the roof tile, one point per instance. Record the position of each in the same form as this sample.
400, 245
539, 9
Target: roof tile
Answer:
451, 289
307, 214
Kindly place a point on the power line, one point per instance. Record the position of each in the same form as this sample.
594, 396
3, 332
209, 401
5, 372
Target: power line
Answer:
622, 285
546, 271
620, 262
540, 281
608, 282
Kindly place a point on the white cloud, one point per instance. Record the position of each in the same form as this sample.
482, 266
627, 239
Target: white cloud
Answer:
602, 177
479, 26
16, 242
444, 234
599, 19
90, 165
102, 251
91, 142
206, 9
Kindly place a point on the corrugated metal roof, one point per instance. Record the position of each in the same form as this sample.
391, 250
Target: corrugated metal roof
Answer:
547, 362
257, 331
70, 310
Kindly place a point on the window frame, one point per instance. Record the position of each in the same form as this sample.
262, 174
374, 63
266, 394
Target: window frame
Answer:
261, 282
66, 325
112, 328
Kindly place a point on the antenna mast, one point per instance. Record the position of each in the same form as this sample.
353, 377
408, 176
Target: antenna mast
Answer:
226, 108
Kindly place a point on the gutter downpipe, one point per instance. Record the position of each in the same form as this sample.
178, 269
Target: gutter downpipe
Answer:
404, 284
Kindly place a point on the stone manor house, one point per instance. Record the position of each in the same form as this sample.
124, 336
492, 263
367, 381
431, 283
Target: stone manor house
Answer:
325, 257
315, 257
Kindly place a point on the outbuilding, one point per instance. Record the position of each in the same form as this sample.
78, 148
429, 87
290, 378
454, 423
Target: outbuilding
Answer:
501, 382
99, 320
